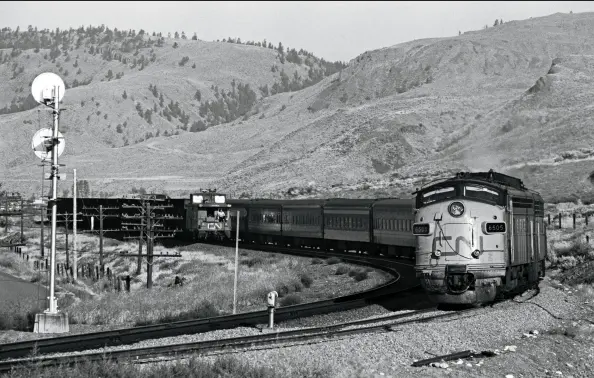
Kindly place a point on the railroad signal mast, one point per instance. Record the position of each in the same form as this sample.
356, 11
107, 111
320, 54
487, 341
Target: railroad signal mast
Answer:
149, 221
48, 89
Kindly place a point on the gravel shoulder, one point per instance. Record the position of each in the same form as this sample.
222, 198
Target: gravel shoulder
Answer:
552, 313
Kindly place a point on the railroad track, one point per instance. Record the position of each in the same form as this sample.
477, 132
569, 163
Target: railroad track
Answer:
133, 335
204, 348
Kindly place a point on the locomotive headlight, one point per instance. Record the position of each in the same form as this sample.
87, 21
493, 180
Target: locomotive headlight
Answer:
219, 199
476, 253
456, 209
197, 198
437, 253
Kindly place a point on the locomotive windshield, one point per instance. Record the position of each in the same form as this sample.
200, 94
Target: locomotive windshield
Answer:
482, 193
435, 195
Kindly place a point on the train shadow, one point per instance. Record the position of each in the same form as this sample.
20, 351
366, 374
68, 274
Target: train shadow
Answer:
412, 299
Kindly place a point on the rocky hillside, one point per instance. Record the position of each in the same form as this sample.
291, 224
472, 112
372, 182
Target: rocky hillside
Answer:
514, 97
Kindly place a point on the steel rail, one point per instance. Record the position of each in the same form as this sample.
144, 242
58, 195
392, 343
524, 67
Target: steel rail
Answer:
232, 344
132, 335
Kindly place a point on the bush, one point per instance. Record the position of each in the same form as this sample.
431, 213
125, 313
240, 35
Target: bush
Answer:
283, 290
253, 261
168, 265
306, 280
361, 275
185, 268
316, 261
342, 269
290, 300
333, 260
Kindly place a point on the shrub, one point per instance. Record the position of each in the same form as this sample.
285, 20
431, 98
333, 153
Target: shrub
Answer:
361, 275
316, 261
168, 264
342, 269
290, 300
306, 280
185, 268
333, 260
283, 290
253, 261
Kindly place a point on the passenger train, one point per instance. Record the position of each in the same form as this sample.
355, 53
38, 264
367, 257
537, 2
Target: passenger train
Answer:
474, 237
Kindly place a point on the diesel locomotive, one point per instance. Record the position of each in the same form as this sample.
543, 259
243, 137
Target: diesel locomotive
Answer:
480, 236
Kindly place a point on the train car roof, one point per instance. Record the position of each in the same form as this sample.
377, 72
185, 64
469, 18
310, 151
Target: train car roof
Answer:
266, 202
395, 202
346, 202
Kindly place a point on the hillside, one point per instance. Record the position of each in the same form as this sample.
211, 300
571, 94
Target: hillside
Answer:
513, 97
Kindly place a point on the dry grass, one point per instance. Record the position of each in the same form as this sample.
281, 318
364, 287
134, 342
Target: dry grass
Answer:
195, 367
207, 291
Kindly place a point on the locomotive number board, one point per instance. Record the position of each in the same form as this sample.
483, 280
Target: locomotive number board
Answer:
421, 229
495, 228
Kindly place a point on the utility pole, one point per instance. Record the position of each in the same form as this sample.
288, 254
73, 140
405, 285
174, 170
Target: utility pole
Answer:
101, 268
151, 225
149, 247
74, 254
102, 230
139, 266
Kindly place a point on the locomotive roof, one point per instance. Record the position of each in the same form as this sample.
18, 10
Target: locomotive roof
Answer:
492, 178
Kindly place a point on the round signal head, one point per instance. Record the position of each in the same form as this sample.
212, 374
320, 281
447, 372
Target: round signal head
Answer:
46, 86
456, 209
42, 142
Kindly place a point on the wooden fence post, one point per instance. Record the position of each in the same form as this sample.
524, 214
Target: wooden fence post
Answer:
128, 283
574, 221
587, 239
560, 221
586, 217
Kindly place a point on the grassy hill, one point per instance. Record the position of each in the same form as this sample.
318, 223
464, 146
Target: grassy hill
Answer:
514, 97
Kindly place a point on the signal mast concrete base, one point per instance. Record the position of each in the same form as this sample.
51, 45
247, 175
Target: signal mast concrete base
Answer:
51, 323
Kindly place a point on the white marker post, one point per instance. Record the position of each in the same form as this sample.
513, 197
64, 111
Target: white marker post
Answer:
48, 89
271, 299
236, 264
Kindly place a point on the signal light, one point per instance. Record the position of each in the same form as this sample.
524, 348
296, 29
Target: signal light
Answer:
476, 253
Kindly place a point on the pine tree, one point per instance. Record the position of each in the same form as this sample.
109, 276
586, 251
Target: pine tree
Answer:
194, 37
496, 23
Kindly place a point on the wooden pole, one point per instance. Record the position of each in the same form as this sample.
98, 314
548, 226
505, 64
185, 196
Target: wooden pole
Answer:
574, 221
74, 262
139, 266
101, 239
236, 265
67, 255
149, 247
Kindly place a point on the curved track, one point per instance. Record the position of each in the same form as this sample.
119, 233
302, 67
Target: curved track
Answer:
395, 294
294, 337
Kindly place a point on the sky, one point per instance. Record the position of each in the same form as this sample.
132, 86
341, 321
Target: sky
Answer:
331, 30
